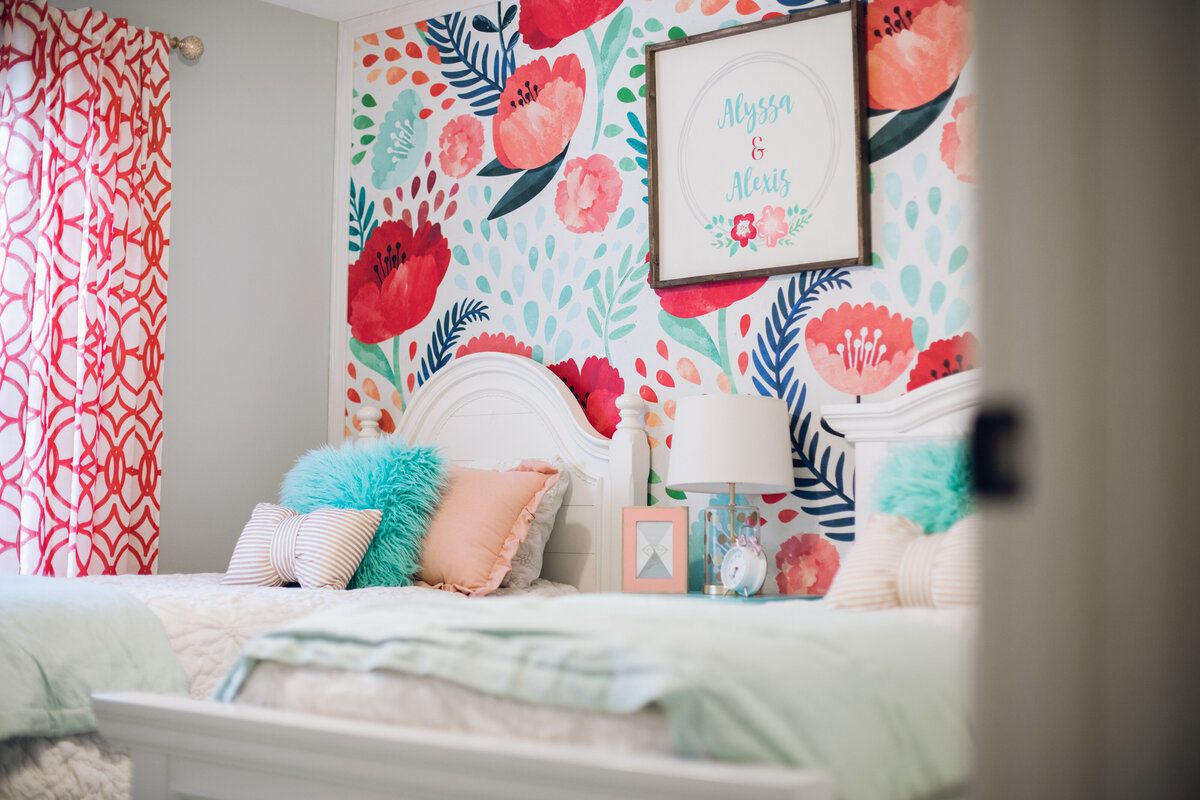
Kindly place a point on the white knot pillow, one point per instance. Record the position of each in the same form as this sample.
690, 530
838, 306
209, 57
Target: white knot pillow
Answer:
318, 550
895, 563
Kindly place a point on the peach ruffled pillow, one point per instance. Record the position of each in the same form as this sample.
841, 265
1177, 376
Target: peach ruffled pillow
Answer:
483, 518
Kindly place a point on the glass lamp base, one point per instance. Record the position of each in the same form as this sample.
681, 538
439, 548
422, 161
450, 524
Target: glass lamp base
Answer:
720, 533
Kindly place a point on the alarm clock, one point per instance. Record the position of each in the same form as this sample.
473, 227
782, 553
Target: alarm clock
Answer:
744, 569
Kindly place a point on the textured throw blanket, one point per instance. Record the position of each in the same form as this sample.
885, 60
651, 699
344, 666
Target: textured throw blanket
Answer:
61, 640
878, 700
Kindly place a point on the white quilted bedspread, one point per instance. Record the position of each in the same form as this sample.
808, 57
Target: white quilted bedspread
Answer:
207, 624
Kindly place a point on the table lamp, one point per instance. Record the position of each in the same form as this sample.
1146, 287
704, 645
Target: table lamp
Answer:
730, 443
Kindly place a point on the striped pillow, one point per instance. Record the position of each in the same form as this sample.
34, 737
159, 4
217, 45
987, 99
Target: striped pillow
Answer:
895, 563
319, 550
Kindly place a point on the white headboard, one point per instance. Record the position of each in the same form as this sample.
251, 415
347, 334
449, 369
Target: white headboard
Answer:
497, 406
942, 409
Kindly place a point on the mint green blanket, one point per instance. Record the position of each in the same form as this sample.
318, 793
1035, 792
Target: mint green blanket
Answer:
61, 640
876, 699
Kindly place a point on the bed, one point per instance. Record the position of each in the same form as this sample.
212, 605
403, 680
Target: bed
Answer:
485, 407
488, 406
207, 624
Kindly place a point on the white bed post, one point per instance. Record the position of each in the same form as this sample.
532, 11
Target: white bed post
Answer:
368, 423
629, 468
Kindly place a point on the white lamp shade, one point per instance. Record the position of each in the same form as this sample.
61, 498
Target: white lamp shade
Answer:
721, 439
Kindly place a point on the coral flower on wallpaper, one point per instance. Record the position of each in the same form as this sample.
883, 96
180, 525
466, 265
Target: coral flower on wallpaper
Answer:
915, 50
958, 139
596, 386
588, 194
860, 349
545, 23
538, 112
699, 299
944, 357
807, 564
393, 283
494, 343
461, 145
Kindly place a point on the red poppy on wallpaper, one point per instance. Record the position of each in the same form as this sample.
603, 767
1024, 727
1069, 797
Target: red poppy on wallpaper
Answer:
915, 50
461, 144
393, 283
494, 343
545, 23
596, 386
944, 357
860, 349
699, 299
538, 112
807, 564
958, 139
588, 193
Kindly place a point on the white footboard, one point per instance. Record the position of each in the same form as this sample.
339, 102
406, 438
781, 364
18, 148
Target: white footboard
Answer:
197, 749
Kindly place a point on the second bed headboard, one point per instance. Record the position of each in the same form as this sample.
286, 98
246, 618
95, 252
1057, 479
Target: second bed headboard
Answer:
943, 409
496, 406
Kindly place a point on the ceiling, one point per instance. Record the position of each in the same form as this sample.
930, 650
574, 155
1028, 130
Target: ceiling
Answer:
343, 10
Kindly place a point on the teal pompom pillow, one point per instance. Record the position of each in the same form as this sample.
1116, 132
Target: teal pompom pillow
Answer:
927, 482
404, 483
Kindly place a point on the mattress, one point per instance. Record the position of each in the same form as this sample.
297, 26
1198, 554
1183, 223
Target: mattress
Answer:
303, 681
208, 624
427, 702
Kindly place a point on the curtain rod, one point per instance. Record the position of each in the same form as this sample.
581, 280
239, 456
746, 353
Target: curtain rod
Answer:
190, 47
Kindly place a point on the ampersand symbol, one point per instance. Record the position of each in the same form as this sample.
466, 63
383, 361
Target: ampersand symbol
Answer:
756, 151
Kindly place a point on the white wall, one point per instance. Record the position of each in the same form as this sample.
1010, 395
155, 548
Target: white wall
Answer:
246, 372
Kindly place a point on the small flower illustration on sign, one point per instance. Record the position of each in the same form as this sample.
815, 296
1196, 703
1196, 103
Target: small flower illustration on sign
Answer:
776, 225
772, 225
743, 229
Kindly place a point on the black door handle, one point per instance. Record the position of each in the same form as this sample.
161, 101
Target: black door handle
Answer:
996, 453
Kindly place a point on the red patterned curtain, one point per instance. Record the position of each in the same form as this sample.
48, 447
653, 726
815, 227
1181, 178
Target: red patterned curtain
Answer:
85, 141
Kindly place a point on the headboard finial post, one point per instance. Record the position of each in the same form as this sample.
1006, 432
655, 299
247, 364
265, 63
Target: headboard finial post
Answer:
368, 419
629, 464
630, 407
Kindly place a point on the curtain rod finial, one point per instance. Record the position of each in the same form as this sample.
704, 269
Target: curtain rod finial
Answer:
190, 47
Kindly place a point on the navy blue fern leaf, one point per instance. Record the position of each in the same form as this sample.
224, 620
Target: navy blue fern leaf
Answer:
822, 487
449, 328
475, 70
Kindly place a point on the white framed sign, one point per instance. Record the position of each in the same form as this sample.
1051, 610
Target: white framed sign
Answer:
757, 145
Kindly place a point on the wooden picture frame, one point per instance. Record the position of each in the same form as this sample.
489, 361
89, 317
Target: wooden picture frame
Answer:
757, 149
654, 551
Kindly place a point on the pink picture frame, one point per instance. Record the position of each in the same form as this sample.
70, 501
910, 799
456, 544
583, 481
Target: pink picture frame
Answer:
654, 551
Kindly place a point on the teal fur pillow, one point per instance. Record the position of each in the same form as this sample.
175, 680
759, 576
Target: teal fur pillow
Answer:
404, 483
927, 482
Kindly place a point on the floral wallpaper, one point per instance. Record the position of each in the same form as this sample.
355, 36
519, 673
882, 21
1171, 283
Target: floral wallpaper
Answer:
498, 202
